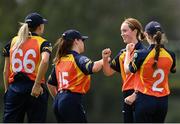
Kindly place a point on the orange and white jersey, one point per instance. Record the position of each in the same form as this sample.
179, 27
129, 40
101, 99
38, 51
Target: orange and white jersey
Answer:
27, 57
72, 72
117, 64
153, 82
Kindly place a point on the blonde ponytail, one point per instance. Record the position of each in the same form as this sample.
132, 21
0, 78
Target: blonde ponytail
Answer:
23, 35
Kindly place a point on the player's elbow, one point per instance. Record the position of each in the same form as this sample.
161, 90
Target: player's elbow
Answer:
45, 61
96, 69
97, 66
45, 58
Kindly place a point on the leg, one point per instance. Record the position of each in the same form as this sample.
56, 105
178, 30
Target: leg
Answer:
128, 113
162, 108
70, 108
128, 110
56, 112
14, 107
37, 108
145, 108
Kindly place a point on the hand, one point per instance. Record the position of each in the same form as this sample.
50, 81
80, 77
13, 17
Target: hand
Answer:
130, 99
106, 53
36, 90
130, 47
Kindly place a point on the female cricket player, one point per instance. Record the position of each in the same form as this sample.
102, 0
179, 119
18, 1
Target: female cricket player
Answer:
26, 62
152, 67
131, 32
70, 77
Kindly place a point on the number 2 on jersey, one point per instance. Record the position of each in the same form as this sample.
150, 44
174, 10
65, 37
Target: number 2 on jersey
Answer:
160, 80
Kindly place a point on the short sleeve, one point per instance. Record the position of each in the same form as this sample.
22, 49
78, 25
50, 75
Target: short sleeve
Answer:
85, 64
46, 47
138, 58
115, 63
6, 50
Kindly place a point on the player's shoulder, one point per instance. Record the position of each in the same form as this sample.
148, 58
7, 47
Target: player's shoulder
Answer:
38, 37
140, 45
13, 40
120, 52
141, 53
82, 59
170, 52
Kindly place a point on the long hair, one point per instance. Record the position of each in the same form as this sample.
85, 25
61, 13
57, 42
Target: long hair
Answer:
63, 46
157, 38
23, 35
135, 24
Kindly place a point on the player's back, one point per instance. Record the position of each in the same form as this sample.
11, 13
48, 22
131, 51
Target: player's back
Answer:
154, 82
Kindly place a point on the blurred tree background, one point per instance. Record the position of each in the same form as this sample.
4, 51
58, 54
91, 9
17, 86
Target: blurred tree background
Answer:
100, 20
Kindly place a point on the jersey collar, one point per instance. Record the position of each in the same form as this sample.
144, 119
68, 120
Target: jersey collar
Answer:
34, 34
73, 52
153, 45
138, 45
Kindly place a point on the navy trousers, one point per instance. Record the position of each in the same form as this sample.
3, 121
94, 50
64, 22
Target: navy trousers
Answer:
150, 109
68, 107
128, 110
18, 102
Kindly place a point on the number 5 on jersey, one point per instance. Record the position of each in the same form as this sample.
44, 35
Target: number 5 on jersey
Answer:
62, 79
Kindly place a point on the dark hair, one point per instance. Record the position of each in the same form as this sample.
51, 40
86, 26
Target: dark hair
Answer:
157, 37
135, 24
33, 29
34, 20
63, 46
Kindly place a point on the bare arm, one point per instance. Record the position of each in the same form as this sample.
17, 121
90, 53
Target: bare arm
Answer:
53, 90
129, 49
6, 73
37, 89
131, 98
108, 71
97, 66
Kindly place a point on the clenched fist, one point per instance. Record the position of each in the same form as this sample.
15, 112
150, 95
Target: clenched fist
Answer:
106, 53
130, 47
